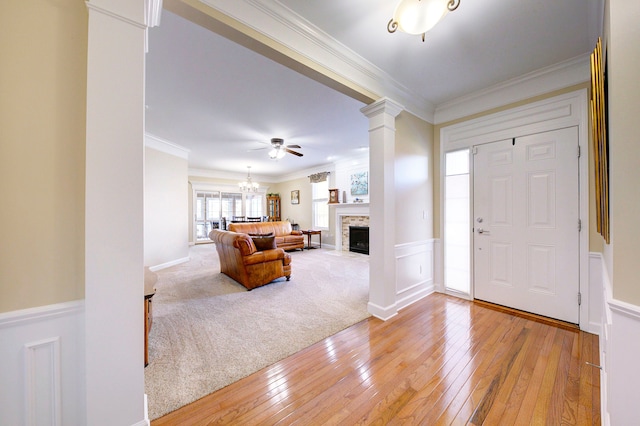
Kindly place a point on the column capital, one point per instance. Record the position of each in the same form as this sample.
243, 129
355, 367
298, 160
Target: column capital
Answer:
382, 106
130, 11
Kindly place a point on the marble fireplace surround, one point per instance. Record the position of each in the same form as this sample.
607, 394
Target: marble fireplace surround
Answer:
351, 214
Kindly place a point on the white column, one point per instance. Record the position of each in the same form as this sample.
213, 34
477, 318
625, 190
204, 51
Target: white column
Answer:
114, 213
382, 270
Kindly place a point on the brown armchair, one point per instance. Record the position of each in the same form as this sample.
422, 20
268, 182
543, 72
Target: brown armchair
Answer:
240, 260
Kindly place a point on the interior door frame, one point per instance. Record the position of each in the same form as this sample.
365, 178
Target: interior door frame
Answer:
565, 110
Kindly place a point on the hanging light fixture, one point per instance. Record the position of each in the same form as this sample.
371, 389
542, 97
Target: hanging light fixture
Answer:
419, 16
248, 185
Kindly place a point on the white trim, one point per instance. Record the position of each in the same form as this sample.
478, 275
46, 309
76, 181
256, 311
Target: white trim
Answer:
619, 352
412, 286
596, 294
91, 5
215, 174
555, 77
561, 111
277, 22
40, 313
42, 381
42, 365
153, 12
623, 308
165, 146
169, 264
383, 313
342, 210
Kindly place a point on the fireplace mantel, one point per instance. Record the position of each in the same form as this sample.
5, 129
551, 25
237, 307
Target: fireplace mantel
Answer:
343, 210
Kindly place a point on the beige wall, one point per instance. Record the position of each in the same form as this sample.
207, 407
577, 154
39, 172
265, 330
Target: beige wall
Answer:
413, 179
295, 213
595, 241
624, 147
42, 147
165, 208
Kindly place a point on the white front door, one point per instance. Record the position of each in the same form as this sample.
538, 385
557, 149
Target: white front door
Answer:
526, 213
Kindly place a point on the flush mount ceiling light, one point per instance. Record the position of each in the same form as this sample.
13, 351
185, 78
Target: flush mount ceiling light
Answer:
248, 185
419, 16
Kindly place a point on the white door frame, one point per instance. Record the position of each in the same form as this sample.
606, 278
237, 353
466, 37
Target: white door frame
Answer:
565, 110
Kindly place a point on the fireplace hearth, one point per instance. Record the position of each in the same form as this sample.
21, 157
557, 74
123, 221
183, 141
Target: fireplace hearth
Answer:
359, 239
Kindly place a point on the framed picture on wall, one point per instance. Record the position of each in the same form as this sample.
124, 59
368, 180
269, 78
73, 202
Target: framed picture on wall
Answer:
334, 196
295, 196
360, 183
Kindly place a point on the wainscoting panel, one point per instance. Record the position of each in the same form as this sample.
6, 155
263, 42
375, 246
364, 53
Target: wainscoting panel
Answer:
414, 272
42, 382
42, 365
619, 354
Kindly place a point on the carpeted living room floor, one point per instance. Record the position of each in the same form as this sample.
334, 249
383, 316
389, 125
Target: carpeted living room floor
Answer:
209, 331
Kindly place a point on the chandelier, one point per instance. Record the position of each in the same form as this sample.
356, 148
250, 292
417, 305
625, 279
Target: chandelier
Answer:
419, 16
248, 185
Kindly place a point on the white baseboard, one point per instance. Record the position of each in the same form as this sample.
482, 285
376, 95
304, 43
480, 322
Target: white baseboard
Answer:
383, 313
169, 264
42, 365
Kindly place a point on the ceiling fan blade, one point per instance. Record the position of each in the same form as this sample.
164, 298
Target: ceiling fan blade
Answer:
294, 146
258, 149
292, 152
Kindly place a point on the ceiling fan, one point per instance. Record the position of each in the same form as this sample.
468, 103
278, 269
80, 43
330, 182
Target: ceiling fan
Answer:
279, 149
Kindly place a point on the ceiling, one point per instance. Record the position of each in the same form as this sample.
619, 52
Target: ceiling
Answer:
223, 101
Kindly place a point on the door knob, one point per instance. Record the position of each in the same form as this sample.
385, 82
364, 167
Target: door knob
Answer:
482, 231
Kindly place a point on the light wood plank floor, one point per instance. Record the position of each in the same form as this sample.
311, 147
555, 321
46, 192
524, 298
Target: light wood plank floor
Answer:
440, 361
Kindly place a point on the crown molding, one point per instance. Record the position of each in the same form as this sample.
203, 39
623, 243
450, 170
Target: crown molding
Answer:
165, 146
280, 24
117, 10
217, 174
153, 12
559, 76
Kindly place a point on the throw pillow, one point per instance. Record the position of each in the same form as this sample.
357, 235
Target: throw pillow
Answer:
263, 243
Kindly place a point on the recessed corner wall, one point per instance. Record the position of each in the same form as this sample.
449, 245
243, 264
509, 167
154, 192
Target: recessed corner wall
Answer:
166, 216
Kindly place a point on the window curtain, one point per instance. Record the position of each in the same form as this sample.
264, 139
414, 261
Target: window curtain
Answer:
318, 177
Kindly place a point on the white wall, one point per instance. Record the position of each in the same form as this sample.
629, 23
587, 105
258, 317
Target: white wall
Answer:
344, 170
166, 213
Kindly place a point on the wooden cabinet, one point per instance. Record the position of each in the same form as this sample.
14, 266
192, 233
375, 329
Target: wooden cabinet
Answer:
273, 207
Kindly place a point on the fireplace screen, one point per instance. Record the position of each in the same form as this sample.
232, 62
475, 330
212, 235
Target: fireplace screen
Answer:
359, 239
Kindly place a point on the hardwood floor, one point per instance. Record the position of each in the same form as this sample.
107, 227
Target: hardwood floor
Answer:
440, 361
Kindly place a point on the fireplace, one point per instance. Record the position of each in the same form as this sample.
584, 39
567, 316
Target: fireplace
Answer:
359, 239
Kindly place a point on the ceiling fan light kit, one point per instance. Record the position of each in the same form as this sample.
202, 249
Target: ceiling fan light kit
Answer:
279, 150
276, 153
419, 16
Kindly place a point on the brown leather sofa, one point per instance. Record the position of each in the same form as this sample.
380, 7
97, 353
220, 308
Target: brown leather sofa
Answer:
286, 238
240, 260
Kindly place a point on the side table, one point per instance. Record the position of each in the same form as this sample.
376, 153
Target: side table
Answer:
309, 233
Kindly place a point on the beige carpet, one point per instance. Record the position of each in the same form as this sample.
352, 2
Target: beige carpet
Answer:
208, 331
